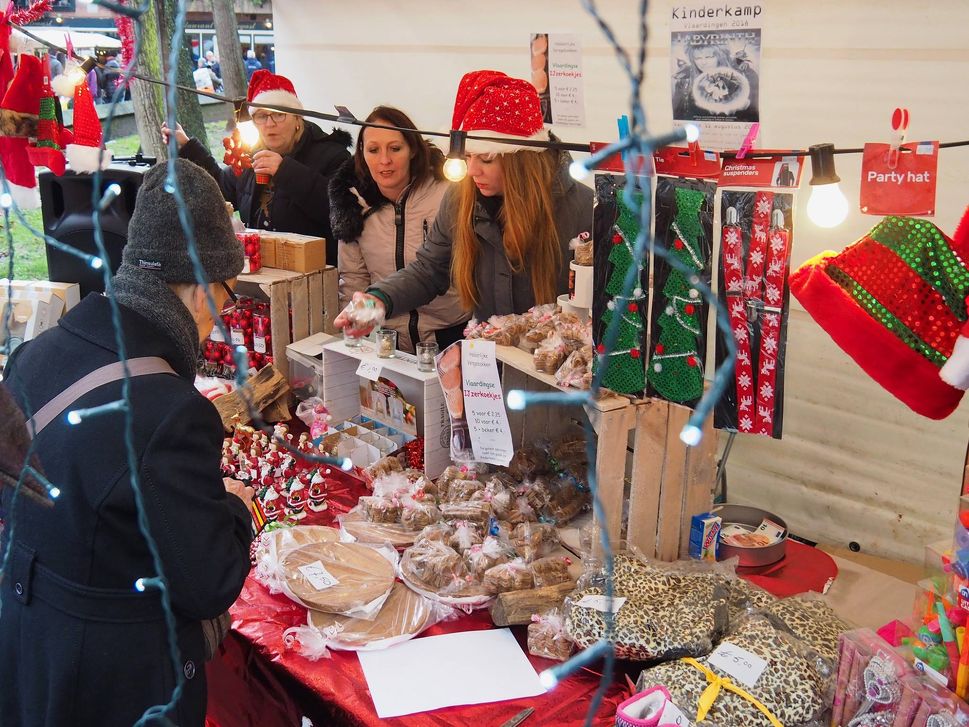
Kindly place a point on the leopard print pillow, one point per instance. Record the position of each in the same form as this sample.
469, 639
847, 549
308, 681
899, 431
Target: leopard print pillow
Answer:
793, 686
666, 615
812, 621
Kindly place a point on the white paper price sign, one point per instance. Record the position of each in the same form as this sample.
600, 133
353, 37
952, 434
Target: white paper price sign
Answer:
600, 603
369, 370
672, 715
318, 576
739, 663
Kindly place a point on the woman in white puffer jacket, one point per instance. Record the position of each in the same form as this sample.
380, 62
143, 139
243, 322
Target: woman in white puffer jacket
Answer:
383, 202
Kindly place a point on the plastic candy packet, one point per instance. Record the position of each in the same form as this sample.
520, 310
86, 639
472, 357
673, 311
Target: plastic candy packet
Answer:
547, 636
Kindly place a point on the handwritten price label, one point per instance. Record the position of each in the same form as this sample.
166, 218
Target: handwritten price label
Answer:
738, 663
369, 370
318, 576
600, 603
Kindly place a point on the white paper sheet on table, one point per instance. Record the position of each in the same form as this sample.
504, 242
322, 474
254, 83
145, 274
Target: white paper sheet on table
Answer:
471, 667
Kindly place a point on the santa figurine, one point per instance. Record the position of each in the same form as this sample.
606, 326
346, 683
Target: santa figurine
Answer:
304, 443
296, 500
272, 506
317, 493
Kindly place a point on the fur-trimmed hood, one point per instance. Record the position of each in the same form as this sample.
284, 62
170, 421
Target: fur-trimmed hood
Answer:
353, 199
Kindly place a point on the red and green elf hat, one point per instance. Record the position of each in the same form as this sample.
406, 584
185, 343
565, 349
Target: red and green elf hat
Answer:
895, 301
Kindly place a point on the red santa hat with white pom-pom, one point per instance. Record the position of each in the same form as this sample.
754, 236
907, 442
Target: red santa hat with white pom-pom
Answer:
271, 88
493, 104
955, 372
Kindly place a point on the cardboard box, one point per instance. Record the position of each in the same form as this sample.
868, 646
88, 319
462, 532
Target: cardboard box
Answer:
298, 253
32, 313
69, 293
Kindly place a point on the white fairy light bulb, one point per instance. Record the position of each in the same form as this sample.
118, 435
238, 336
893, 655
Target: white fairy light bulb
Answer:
455, 170
827, 206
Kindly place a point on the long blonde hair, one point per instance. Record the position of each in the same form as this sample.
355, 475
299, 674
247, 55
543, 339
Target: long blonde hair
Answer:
530, 237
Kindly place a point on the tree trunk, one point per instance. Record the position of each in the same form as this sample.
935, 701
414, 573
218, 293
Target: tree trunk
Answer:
148, 99
230, 50
188, 112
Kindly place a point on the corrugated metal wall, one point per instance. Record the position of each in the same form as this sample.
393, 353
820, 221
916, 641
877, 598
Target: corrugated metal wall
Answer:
854, 465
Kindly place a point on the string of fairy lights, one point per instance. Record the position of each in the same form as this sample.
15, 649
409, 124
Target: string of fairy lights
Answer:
637, 144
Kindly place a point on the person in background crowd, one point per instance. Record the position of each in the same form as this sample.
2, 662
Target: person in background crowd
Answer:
383, 202
502, 234
298, 157
56, 67
212, 62
112, 77
252, 64
73, 620
204, 77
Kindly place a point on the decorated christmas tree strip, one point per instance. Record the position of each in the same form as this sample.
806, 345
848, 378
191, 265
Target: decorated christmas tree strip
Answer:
754, 265
675, 370
615, 228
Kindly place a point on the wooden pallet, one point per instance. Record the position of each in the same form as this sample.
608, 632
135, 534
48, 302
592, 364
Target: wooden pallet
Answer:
312, 298
670, 481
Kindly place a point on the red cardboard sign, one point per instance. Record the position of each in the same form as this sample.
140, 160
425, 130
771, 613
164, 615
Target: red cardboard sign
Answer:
775, 171
678, 161
614, 163
906, 189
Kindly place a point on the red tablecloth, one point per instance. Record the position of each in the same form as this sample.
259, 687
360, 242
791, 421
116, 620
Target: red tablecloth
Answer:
258, 682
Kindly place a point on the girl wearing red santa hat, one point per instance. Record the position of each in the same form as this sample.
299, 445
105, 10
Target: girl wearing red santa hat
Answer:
502, 233
297, 157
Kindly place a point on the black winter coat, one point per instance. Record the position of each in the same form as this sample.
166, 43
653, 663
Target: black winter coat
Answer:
78, 645
300, 200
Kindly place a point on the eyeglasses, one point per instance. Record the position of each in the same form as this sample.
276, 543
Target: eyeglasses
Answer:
233, 298
261, 117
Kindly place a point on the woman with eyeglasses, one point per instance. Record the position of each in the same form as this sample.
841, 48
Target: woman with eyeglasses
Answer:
502, 234
296, 156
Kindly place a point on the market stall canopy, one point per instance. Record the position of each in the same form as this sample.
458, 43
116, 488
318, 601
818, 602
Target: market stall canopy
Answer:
79, 39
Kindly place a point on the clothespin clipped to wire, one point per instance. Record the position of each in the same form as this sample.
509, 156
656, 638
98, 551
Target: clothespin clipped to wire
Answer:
749, 140
899, 128
623, 123
344, 114
695, 152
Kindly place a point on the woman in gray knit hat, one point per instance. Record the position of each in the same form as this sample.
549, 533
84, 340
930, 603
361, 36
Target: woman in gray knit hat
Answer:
79, 644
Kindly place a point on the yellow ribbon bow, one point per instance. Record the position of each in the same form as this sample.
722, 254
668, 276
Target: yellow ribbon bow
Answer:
716, 683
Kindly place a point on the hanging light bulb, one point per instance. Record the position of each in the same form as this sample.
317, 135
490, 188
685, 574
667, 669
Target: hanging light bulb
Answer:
827, 206
249, 133
455, 167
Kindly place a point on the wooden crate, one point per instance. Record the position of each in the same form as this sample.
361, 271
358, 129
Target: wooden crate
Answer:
670, 481
312, 297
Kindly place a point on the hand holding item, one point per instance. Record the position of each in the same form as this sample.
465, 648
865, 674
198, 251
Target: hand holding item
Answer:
363, 313
266, 163
240, 490
181, 138
449, 367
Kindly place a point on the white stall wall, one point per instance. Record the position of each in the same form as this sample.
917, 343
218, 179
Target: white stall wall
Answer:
854, 465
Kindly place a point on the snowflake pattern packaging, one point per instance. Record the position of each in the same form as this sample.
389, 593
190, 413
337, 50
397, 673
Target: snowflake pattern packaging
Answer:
684, 226
755, 248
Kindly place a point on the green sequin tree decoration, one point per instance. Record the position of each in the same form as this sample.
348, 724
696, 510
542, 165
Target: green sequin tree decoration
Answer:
675, 370
625, 374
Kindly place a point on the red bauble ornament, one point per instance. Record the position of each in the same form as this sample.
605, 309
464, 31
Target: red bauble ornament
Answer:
631, 307
616, 239
689, 308
634, 353
600, 348
691, 360
659, 348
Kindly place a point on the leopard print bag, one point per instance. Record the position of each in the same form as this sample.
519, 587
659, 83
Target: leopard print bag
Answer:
669, 612
795, 686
